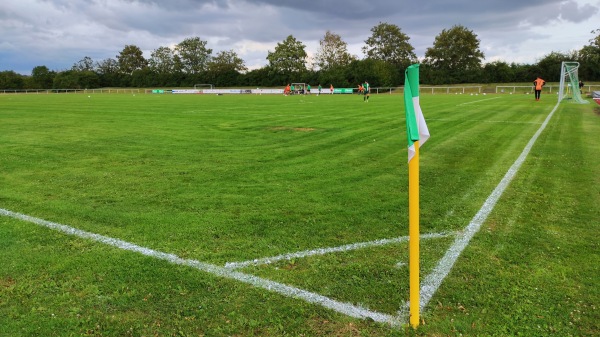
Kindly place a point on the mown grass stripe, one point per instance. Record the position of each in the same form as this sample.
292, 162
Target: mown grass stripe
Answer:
433, 281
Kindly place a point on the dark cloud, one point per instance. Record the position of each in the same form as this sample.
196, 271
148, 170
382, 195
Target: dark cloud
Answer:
572, 12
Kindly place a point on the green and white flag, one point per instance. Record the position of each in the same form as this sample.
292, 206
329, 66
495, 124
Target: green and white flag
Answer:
416, 129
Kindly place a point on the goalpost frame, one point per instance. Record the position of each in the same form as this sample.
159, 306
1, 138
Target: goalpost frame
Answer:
569, 82
203, 85
299, 88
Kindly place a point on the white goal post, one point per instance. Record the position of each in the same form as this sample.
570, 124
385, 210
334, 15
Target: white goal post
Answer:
299, 88
203, 85
569, 83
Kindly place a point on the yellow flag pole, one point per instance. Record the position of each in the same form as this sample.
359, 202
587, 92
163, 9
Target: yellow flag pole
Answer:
413, 234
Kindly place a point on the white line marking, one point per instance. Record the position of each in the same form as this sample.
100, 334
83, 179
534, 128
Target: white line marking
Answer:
322, 251
285, 290
480, 120
481, 100
432, 282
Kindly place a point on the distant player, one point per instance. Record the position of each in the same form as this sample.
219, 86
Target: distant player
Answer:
320, 88
287, 90
366, 91
538, 83
360, 88
331, 89
308, 89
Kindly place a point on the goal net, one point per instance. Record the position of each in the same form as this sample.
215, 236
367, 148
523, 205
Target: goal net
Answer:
203, 86
569, 83
299, 88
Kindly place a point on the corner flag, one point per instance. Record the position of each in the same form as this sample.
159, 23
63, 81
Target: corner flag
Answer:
416, 128
417, 133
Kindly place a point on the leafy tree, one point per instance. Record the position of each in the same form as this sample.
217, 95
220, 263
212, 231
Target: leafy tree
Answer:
388, 43
192, 56
379, 73
42, 77
107, 66
524, 72
84, 75
340, 77
589, 59
596, 40
226, 61
224, 69
162, 69
259, 77
289, 57
74, 79
333, 52
143, 78
66, 80
85, 64
456, 54
162, 60
497, 72
11, 80
108, 71
455, 57
549, 66
88, 79
130, 59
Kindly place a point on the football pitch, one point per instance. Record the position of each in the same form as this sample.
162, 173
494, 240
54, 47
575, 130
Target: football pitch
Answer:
269, 215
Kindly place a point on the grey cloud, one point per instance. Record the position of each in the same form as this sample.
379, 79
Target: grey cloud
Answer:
570, 11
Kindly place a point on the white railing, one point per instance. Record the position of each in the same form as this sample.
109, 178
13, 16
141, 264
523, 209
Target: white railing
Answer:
431, 90
72, 91
502, 89
452, 90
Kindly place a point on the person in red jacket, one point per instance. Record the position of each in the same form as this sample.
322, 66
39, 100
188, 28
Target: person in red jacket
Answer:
538, 83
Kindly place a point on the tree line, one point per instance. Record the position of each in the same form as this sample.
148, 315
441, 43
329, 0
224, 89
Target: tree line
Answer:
454, 58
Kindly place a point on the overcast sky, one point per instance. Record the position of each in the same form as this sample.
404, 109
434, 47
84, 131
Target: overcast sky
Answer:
59, 33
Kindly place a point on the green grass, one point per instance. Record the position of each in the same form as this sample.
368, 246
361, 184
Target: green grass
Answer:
234, 178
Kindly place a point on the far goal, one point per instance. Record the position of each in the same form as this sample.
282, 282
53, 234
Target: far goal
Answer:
299, 88
569, 83
203, 86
